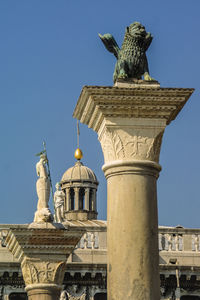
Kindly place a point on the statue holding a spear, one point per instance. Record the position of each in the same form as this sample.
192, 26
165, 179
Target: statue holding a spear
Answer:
43, 187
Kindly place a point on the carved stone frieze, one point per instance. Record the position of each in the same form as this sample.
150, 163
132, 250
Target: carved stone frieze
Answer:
41, 271
79, 292
3, 235
131, 143
76, 290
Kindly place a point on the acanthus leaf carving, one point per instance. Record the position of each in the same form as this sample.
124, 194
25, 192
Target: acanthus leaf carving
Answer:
36, 271
118, 145
107, 146
131, 143
154, 149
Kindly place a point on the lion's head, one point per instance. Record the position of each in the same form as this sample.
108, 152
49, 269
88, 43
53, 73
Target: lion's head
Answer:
137, 29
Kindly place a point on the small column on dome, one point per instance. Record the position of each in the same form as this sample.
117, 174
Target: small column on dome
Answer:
68, 202
94, 208
76, 200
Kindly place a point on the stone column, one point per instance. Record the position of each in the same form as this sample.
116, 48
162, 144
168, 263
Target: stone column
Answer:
87, 198
76, 198
43, 250
130, 123
94, 204
68, 200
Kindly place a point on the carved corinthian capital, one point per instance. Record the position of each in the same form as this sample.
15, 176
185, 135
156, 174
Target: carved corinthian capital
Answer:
131, 140
37, 271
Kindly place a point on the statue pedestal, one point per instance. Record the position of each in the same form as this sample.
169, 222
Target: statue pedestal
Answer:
43, 250
130, 122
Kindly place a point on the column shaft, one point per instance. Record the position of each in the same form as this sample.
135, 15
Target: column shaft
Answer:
76, 198
68, 200
132, 232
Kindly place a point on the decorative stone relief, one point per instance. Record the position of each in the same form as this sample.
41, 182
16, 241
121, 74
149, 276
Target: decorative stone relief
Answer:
162, 292
107, 146
3, 235
36, 271
63, 296
68, 296
131, 143
76, 292
90, 240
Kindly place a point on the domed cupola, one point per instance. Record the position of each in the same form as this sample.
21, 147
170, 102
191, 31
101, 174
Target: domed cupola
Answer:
79, 184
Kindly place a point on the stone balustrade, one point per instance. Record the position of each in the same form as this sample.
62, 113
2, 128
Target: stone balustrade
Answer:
179, 239
170, 242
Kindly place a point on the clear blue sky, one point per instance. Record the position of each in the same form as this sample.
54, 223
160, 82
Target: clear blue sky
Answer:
48, 51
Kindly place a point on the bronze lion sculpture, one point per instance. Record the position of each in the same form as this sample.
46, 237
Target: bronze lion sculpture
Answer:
131, 58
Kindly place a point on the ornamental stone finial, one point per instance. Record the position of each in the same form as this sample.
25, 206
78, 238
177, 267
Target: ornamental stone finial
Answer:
131, 58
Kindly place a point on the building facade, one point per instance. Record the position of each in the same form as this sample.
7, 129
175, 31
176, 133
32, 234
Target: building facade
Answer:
85, 275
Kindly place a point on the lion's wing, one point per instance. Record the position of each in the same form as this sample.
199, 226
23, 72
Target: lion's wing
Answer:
147, 41
110, 43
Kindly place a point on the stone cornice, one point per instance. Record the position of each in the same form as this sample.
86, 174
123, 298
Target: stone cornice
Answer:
25, 241
98, 102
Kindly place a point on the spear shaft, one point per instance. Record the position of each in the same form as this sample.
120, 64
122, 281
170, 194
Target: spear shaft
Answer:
49, 174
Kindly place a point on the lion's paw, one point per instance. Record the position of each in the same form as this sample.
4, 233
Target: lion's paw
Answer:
147, 77
122, 75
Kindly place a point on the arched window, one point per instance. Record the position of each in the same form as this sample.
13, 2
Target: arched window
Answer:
72, 198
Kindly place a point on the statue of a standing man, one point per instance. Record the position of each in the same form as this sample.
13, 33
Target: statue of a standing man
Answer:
59, 198
43, 213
